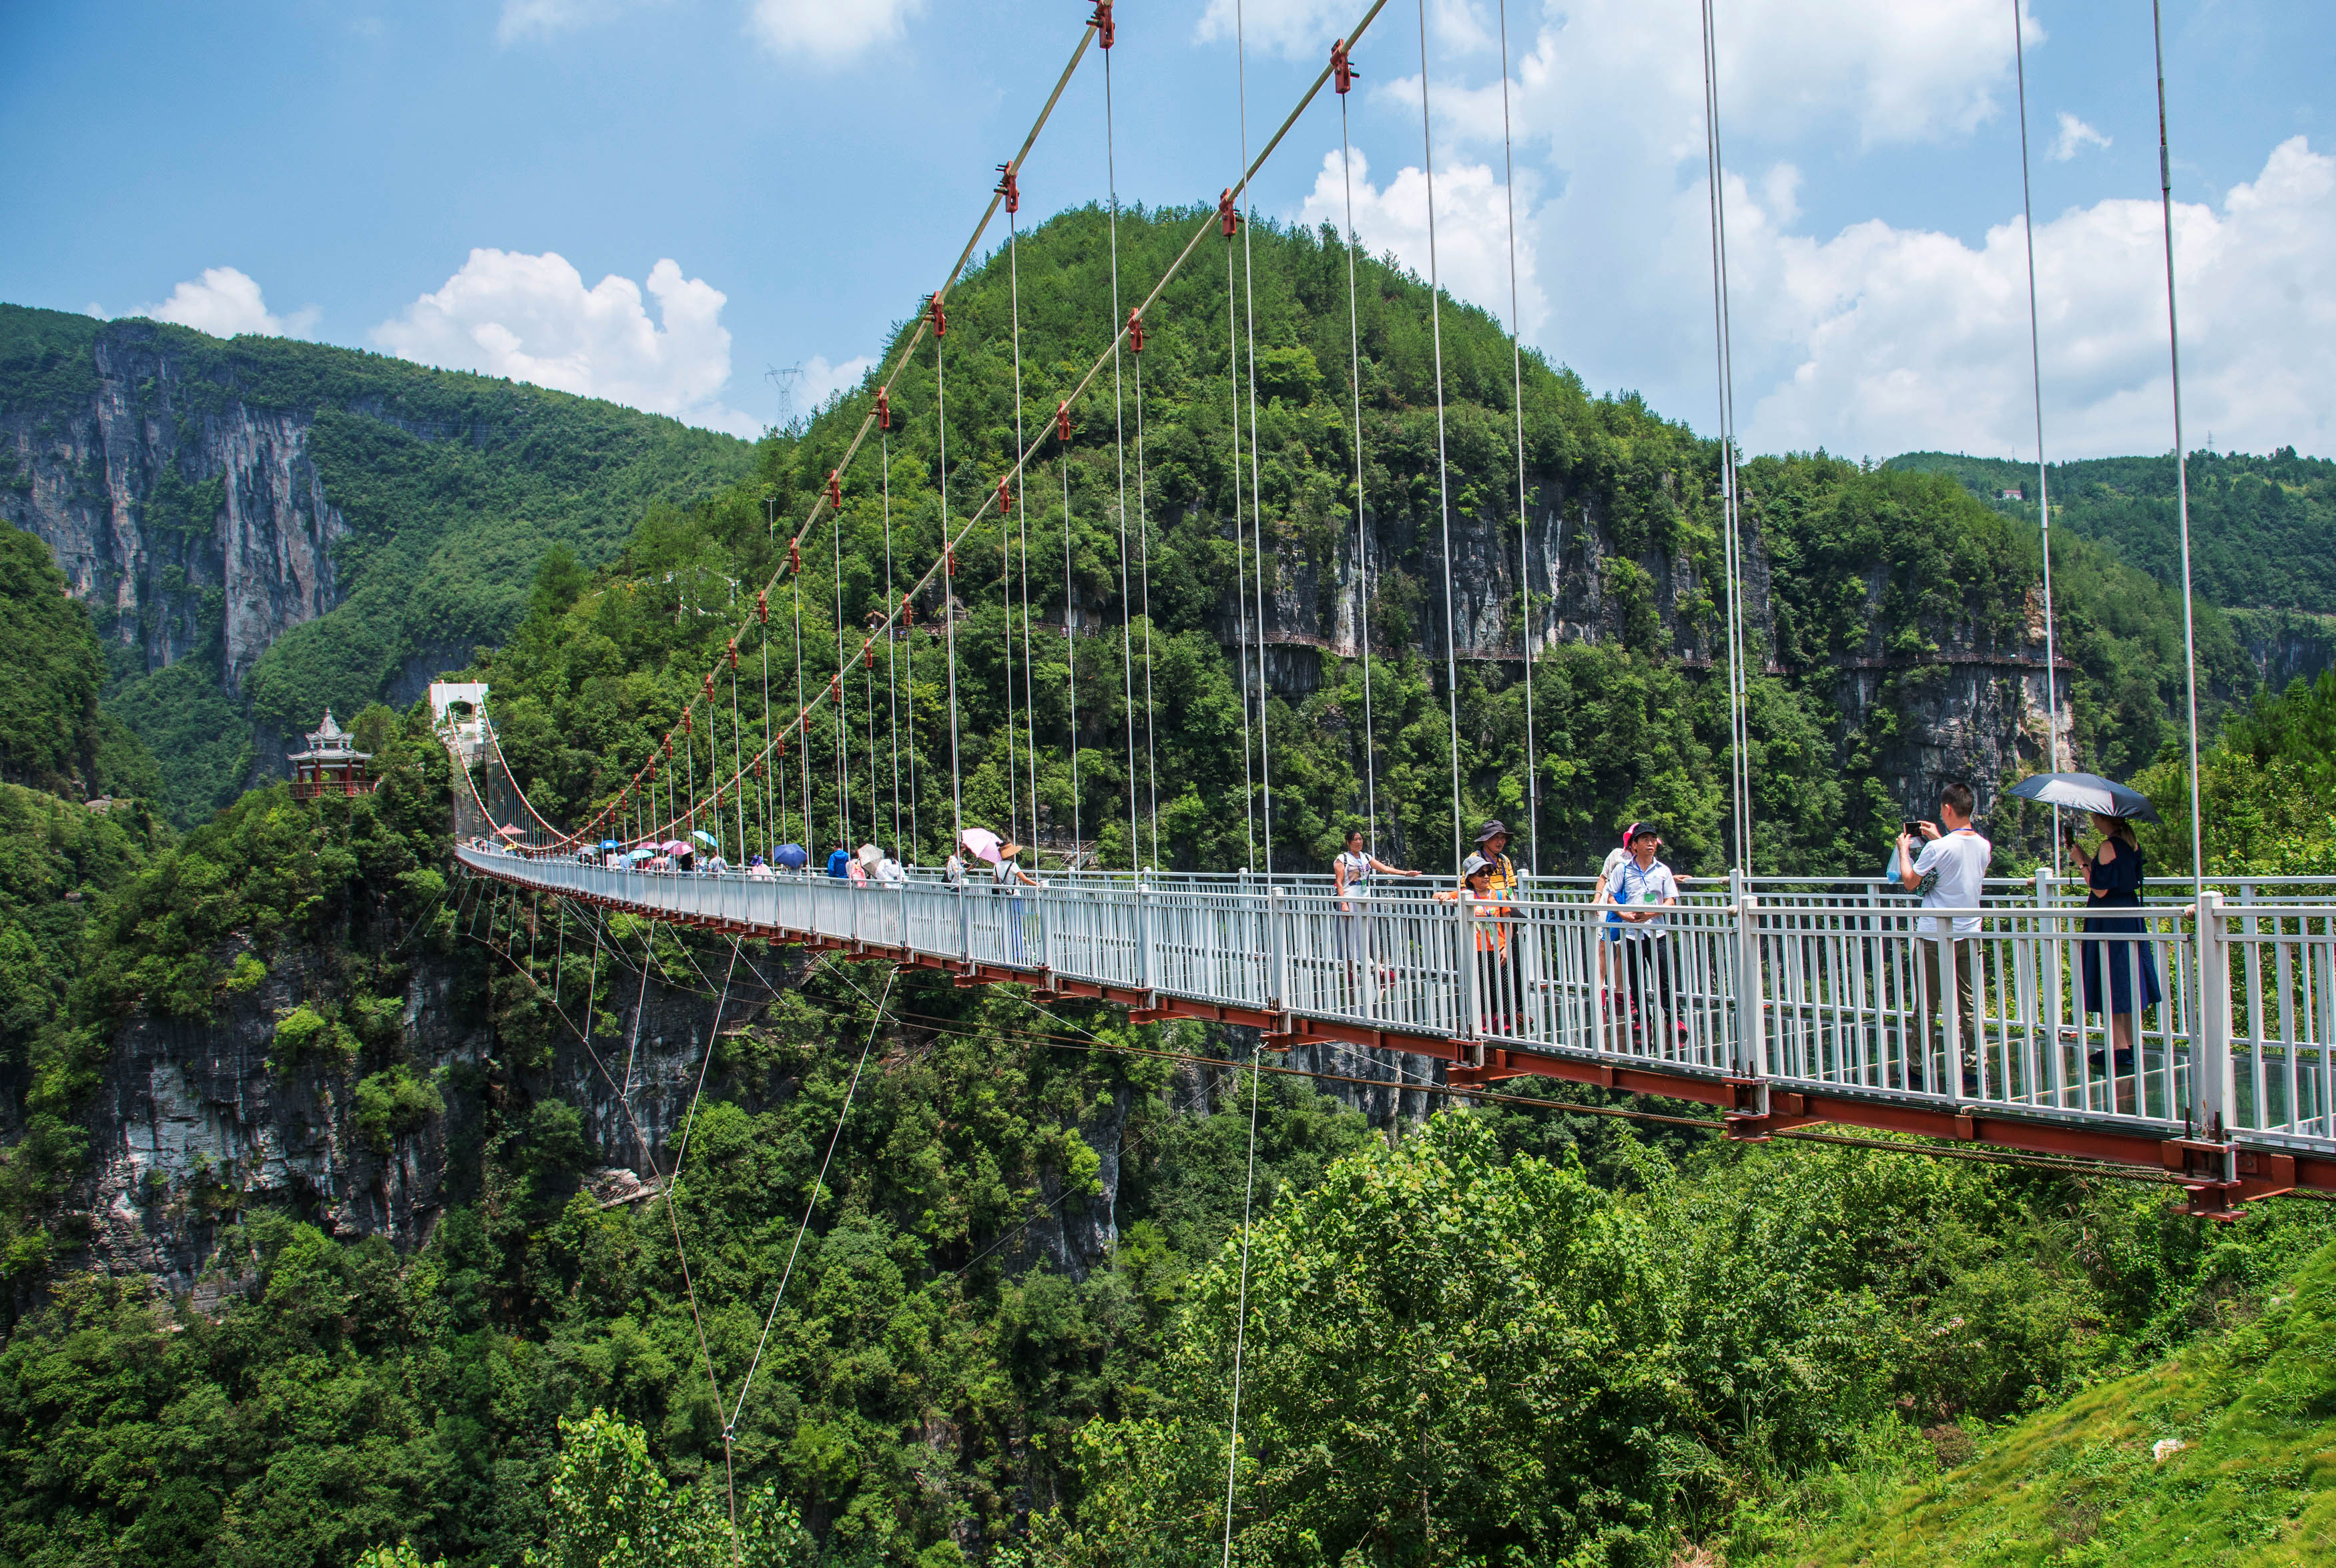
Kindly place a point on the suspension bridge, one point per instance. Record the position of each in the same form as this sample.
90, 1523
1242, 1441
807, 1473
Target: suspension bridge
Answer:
1781, 1002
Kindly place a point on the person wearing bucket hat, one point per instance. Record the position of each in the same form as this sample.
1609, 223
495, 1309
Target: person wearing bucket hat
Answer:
1491, 919
1492, 842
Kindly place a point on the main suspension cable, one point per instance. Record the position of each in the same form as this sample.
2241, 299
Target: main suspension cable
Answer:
945, 563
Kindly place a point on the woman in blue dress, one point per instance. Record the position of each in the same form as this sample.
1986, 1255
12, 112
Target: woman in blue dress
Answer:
2113, 874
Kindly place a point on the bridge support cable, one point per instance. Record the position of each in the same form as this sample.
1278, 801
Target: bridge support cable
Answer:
843, 707
803, 732
2036, 388
1256, 492
949, 581
1344, 71
1119, 443
906, 853
2181, 469
1517, 395
1442, 464
1738, 684
944, 566
811, 1201
1070, 636
1240, 584
1013, 192
1143, 577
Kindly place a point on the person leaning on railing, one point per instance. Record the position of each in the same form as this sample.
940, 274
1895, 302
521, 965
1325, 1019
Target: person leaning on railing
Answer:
1490, 918
1950, 872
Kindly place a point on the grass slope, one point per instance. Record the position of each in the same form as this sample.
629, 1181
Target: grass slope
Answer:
2255, 1483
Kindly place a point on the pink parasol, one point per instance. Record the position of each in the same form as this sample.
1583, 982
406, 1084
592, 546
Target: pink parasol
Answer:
983, 843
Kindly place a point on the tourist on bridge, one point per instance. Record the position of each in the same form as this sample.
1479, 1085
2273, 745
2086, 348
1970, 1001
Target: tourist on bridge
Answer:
1350, 872
2113, 874
1640, 888
760, 869
1950, 872
1495, 975
839, 863
1492, 842
1611, 931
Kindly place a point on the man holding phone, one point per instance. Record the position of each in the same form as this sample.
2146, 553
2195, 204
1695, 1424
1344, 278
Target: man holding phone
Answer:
1950, 872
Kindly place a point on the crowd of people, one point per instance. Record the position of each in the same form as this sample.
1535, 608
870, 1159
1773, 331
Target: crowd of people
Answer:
1942, 862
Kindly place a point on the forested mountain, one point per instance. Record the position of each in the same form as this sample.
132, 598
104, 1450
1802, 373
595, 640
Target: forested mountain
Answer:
2262, 535
331, 1222
1894, 619
261, 527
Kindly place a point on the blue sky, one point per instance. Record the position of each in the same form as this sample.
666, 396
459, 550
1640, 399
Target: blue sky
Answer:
455, 181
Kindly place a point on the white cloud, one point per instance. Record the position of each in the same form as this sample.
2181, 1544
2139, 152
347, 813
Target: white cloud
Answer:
1904, 339
225, 302
1472, 230
530, 317
821, 380
544, 18
1305, 29
830, 31
2074, 138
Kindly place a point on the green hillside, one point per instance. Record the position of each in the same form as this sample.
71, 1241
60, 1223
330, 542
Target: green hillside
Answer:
2226, 1453
452, 487
2263, 529
1874, 567
55, 733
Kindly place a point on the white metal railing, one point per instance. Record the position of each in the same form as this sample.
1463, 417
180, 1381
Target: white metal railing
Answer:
2180, 1023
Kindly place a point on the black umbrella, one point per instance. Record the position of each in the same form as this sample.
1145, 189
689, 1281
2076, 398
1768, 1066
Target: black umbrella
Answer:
2086, 793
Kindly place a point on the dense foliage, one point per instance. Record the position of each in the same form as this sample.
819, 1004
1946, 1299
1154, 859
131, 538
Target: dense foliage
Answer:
53, 736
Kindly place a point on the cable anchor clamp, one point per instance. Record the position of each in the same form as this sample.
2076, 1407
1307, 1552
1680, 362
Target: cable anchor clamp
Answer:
1063, 422
1135, 329
1009, 187
1004, 496
1228, 214
1106, 33
883, 409
1342, 68
939, 317
835, 489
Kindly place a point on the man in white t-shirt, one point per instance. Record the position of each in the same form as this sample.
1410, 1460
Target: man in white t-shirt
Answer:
1950, 872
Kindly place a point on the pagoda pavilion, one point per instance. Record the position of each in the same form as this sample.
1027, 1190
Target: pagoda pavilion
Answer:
332, 765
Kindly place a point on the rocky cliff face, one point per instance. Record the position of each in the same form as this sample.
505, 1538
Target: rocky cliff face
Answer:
177, 518
1975, 709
